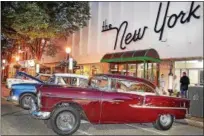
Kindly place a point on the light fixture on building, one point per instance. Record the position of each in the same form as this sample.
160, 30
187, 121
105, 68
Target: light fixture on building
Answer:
3, 61
3, 67
17, 58
68, 50
43, 41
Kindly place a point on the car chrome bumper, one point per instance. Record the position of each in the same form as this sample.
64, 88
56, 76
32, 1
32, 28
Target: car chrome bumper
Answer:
38, 114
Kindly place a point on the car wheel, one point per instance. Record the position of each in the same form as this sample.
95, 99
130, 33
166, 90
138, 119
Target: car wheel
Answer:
65, 120
25, 101
164, 122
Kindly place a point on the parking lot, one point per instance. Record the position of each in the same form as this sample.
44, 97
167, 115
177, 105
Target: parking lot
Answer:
16, 121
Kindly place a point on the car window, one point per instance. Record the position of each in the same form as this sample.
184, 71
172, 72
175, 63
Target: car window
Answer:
51, 80
83, 82
113, 85
71, 81
132, 86
100, 83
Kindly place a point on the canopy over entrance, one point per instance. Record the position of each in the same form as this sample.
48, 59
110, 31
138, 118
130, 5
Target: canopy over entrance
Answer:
137, 56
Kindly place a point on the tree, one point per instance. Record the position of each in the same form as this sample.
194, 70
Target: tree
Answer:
34, 24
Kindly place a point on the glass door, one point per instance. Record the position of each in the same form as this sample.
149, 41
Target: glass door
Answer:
193, 76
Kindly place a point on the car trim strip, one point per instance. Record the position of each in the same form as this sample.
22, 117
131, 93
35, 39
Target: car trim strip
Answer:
154, 107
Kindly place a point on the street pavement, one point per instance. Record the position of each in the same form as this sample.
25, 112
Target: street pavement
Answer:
16, 121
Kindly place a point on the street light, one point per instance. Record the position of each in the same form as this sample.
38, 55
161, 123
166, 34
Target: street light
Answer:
3, 61
3, 68
43, 41
67, 50
170, 79
17, 58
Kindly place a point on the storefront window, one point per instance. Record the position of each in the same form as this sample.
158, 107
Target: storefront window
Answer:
193, 75
193, 69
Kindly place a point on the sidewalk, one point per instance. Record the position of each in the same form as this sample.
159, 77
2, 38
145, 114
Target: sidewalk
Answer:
193, 121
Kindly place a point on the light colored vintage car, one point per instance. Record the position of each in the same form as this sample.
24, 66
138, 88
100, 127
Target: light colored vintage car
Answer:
109, 99
22, 93
22, 77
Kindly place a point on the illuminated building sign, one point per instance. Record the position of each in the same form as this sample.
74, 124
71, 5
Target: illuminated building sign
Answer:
169, 20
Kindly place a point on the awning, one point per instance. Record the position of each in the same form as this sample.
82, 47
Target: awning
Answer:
137, 56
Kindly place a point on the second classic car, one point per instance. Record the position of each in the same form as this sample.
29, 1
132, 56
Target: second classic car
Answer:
22, 77
108, 99
22, 93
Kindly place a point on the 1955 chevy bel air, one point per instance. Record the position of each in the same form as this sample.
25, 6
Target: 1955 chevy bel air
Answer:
108, 99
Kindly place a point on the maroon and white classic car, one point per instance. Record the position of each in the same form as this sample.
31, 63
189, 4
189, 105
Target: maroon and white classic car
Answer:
108, 99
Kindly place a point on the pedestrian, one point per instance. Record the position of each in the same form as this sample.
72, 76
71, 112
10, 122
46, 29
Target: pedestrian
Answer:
162, 84
184, 85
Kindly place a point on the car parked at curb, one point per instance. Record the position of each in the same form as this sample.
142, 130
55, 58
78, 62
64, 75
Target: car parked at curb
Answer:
109, 99
22, 93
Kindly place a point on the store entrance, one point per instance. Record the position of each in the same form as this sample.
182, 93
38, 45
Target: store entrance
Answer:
140, 63
193, 69
137, 70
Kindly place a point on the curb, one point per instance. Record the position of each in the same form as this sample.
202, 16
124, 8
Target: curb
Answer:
190, 122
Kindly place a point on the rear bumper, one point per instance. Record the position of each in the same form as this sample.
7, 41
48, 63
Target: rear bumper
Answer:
38, 114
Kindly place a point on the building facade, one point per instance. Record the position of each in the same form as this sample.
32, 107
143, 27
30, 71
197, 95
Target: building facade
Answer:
173, 29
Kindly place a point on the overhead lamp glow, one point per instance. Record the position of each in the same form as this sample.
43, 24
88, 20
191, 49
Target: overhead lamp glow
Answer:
17, 58
3, 61
68, 50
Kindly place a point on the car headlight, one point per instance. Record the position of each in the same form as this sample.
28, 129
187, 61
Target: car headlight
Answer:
39, 99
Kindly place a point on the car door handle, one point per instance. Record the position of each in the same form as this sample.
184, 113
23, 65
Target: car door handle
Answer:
119, 100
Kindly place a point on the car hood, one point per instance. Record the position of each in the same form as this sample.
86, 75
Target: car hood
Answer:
29, 76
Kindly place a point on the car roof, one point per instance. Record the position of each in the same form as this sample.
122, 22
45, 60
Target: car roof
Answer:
71, 75
128, 78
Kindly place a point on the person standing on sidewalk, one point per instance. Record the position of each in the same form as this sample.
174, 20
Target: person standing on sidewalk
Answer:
184, 85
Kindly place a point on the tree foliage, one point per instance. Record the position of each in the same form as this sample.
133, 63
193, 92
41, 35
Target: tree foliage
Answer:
27, 23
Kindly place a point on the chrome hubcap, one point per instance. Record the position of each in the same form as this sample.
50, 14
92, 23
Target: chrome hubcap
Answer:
165, 120
65, 121
27, 101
